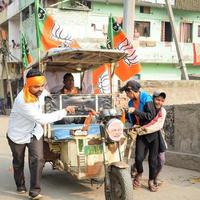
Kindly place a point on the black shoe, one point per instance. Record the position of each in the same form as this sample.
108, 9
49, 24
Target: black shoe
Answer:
21, 190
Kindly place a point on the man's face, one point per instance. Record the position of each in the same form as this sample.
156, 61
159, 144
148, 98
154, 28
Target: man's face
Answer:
132, 95
159, 101
69, 82
36, 90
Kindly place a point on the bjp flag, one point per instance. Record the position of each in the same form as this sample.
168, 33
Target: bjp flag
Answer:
129, 65
101, 80
49, 33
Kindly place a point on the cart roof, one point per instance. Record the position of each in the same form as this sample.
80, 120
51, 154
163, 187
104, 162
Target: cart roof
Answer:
77, 60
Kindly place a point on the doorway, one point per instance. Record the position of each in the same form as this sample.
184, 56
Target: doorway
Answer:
166, 32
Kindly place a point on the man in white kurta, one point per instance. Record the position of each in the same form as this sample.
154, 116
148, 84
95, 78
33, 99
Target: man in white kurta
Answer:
25, 130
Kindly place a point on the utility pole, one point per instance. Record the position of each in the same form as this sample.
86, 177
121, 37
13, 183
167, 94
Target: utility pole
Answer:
128, 18
8, 78
184, 74
4, 52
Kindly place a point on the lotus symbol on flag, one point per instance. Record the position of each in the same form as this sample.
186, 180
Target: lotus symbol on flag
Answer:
58, 33
131, 57
104, 83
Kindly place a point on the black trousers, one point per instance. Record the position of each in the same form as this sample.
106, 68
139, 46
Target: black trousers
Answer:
36, 163
142, 145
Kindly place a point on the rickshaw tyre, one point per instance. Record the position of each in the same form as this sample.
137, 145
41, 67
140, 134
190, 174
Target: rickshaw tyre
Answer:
124, 178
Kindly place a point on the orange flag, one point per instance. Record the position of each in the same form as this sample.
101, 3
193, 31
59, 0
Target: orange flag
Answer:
101, 79
129, 65
49, 33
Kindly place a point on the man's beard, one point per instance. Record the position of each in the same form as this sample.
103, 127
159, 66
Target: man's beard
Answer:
37, 94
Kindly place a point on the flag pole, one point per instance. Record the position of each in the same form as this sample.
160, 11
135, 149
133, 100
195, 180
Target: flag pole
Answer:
37, 33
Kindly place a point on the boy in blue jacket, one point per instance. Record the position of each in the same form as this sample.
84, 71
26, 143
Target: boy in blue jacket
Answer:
141, 112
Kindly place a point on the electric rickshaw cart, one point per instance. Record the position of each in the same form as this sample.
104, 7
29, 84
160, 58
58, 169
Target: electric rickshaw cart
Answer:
95, 152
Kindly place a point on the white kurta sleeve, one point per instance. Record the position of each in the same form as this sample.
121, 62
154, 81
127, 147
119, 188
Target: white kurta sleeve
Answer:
33, 113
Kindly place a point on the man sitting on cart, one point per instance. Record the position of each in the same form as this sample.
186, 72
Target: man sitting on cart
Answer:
69, 87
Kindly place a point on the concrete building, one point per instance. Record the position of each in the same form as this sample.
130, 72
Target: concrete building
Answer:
87, 22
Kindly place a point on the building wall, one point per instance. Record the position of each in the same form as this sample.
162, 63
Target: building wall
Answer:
152, 50
24, 3
159, 71
14, 34
155, 17
90, 31
178, 92
188, 5
183, 137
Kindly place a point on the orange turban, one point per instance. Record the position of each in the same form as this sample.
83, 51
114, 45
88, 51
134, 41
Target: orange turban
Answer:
32, 81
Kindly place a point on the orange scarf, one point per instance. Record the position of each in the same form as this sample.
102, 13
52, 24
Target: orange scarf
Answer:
72, 91
32, 81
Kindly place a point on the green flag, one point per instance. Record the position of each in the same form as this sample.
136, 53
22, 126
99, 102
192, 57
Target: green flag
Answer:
26, 56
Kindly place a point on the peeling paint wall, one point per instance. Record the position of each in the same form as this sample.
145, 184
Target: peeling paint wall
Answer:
182, 130
178, 91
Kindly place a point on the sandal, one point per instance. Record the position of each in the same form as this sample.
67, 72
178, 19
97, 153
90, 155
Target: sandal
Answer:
158, 183
136, 181
152, 187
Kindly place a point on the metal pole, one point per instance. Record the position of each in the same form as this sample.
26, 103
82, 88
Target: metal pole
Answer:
184, 74
8, 78
128, 18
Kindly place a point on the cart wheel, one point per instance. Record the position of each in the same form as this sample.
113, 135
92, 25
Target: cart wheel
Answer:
121, 185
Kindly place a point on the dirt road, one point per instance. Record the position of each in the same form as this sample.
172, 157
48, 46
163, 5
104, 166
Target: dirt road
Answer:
179, 184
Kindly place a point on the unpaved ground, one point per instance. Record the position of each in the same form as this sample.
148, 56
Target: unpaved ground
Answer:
178, 183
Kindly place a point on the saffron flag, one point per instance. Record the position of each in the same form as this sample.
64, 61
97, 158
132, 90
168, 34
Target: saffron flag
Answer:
101, 79
97, 81
196, 53
129, 65
26, 56
49, 33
